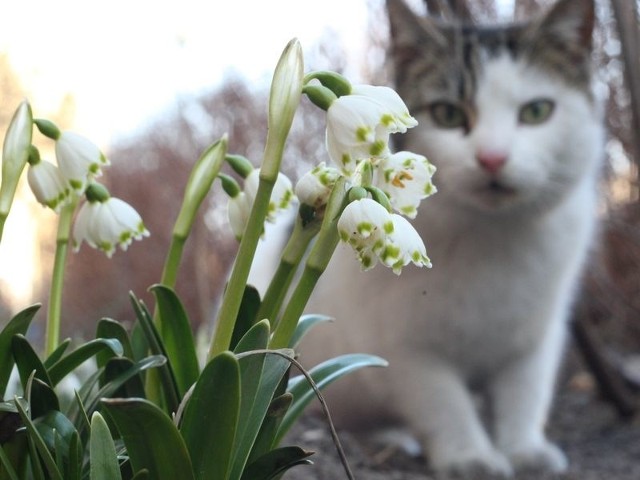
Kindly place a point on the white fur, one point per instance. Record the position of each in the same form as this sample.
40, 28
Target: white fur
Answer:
491, 313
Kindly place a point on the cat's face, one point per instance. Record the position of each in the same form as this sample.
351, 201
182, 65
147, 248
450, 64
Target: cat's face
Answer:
505, 114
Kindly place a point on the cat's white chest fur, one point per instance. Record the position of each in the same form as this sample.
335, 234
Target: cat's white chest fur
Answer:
507, 246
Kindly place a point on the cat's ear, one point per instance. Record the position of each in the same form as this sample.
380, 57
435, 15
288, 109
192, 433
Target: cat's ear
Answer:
412, 36
568, 25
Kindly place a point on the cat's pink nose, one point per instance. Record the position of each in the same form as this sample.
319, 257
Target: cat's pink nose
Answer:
491, 161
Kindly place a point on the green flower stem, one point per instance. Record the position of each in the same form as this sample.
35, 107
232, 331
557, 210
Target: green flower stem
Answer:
232, 298
317, 262
52, 338
172, 262
292, 255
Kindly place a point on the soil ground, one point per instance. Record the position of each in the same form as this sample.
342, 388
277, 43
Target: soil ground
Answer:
599, 444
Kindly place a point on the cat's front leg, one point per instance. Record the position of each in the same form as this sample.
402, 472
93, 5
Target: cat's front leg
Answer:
440, 409
522, 394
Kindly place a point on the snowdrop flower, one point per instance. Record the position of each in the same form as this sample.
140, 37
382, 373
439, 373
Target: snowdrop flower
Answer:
406, 179
105, 222
364, 224
282, 195
48, 185
402, 246
79, 159
355, 131
315, 186
377, 235
397, 119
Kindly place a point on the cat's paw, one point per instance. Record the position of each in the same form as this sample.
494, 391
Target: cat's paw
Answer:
472, 464
544, 456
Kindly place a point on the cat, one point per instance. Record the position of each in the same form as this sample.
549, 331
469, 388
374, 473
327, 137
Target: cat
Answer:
507, 116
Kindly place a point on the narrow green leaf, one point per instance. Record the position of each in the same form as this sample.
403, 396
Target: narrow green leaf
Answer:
102, 451
274, 463
57, 353
74, 470
8, 472
305, 323
167, 377
42, 398
133, 387
109, 328
261, 375
56, 431
211, 418
66, 365
38, 444
153, 442
270, 425
27, 360
246, 315
323, 375
17, 325
177, 337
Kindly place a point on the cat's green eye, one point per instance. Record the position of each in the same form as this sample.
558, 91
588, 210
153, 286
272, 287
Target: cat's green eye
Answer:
535, 112
448, 115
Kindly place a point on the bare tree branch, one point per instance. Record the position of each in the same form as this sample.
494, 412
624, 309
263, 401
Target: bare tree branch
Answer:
449, 9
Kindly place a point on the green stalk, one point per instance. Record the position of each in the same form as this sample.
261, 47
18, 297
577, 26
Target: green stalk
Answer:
52, 338
235, 288
284, 97
317, 262
172, 262
292, 255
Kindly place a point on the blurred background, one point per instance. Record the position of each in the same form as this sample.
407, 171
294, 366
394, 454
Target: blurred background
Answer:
154, 83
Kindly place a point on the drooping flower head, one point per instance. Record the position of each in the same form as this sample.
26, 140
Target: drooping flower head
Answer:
79, 159
105, 222
406, 178
48, 185
315, 186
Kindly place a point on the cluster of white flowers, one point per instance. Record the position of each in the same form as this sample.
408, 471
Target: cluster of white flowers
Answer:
103, 222
360, 121
359, 125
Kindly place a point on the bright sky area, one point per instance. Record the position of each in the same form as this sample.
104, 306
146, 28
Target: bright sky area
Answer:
124, 60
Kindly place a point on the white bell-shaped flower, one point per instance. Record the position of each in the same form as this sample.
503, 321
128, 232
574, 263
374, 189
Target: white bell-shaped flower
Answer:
315, 186
406, 178
106, 224
397, 118
79, 159
355, 131
48, 185
403, 246
364, 224
238, 210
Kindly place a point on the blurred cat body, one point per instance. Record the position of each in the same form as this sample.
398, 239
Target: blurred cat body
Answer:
507, 116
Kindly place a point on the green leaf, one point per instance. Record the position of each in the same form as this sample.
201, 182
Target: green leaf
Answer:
260, 375
211, 418
323, 375
246, 315
57, 353
177, 337
102, 451
39, 444
66, 365
27, 360
91, 399
42, 398
166, 375
153, 442
17, 325
109, 328
273, 464
270, 425
133, 387
56, 431
305, 323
